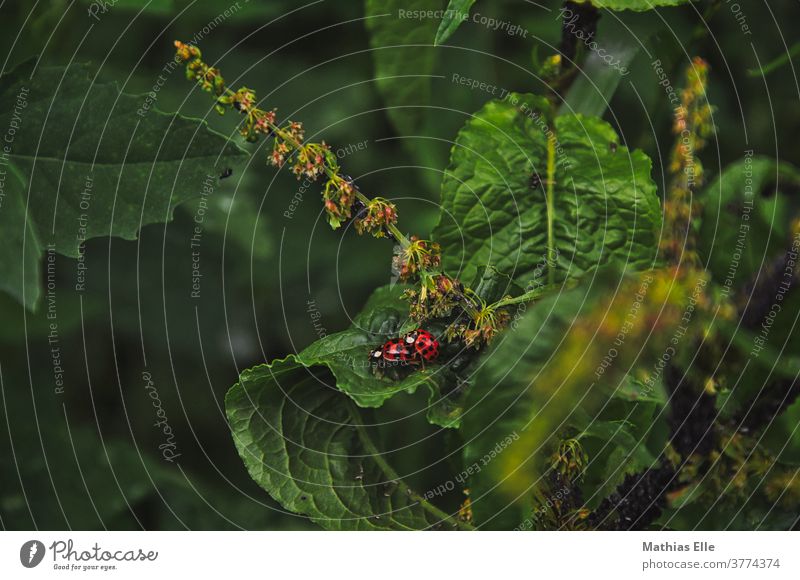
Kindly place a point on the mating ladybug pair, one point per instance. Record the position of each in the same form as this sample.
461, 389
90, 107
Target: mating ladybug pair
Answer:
416, 347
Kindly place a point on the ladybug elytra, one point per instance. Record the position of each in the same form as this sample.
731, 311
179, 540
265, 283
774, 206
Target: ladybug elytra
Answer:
395, 350
418, 346
424, 343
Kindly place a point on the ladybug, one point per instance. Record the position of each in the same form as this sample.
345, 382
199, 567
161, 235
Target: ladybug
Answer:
424, 344
394, 351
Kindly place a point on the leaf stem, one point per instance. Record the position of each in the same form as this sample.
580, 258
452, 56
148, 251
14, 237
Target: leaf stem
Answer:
376, 455
775, 64
292, 139
526, 297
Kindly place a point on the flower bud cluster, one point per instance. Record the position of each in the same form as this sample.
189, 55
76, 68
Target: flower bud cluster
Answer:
307, 160
416, 260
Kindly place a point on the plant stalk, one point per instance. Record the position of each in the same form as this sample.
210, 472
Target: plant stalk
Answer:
398, 235
551, 183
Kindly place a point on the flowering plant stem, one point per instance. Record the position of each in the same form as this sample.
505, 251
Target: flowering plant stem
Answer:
551, 182
436, 295
329, 171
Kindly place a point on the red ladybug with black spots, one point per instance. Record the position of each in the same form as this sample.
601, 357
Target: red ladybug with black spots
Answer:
423, 343
394, 351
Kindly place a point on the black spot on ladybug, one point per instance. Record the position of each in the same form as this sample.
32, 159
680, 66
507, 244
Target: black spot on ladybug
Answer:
425, 345
226, 173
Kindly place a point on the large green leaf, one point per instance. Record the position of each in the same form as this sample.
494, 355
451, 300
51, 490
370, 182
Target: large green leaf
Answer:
457, 11
638, 5
94, 165
747, 211
303, 443
404, 57
494, 195
346, 354
19, 259
591, 92
549, 372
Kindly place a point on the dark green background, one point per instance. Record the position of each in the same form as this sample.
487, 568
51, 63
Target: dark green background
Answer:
89, 458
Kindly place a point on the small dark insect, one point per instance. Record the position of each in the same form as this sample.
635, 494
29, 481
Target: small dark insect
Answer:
349, 180
612, 147
226, 173
357, 208
535, 181
388, 233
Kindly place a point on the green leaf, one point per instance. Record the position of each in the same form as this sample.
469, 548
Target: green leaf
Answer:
37, 325
747, 211
302, 442
604, 203
591, 92
404, 58
457, 11
492, 285
96, 162
614, 452
550, 371
625, 437
346, 354
635, 391
782, 436
759, 365
638, 5
19, 259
